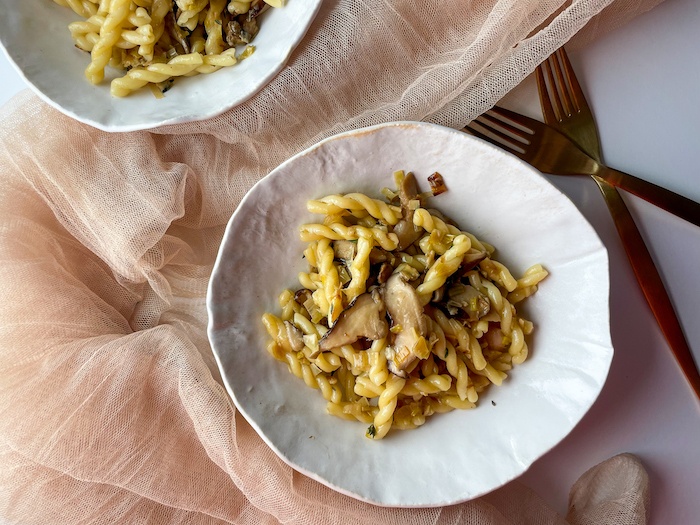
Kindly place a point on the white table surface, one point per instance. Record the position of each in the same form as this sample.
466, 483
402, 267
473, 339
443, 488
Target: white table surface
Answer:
643, 82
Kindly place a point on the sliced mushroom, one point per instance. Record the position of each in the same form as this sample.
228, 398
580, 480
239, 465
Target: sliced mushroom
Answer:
302, 295
469, 300
364, 317
344, 249
408, 191
408, 323
295, 336
405, 230
257, 7
407, 233
235, 35
472, 259
380, 255
250, 27
176, 32
384, 273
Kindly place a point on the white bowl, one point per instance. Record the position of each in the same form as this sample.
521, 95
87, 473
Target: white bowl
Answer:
455, 456
35, 37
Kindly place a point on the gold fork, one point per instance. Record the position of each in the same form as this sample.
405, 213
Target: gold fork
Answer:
551, 152
564, 107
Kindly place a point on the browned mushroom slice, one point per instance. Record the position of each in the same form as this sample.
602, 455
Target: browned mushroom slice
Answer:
380, 255
405, 230
364, 317
257, 7
250, 28
469, 299
408, 191
472, 259
408, 323
235, 34
302, 295
407, 233
384, 273
176, 32
437, 184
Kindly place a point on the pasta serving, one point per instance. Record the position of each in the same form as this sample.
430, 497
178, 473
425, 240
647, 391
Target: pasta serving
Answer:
401, 314
155, 41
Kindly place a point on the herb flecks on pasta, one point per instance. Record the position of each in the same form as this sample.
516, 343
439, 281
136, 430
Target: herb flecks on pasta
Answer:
156, 41
401, 314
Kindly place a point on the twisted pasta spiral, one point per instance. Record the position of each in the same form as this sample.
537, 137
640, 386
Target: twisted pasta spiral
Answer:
156, 41
464, 335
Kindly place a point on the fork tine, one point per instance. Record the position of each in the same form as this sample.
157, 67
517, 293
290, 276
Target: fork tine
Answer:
585, 129
504, 147
574, 88
500, 137
493, 121
473, 131
561, 85
553, 92
470, 129
545, 102
526, 122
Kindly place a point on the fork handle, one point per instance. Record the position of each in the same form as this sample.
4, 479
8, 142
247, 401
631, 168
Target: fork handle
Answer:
650, 282
665, 199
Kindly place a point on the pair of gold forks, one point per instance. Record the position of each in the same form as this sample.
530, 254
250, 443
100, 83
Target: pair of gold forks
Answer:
568, 144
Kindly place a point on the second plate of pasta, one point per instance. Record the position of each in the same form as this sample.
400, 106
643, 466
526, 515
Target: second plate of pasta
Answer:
128, 65
402, 348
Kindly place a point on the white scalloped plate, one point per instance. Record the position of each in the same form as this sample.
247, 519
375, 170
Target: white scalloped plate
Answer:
35, 37
456, 456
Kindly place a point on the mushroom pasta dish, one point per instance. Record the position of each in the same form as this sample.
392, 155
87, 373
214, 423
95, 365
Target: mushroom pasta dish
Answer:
401, 313
155, 41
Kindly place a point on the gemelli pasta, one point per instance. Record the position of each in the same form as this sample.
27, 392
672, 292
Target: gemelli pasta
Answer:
401, 314
155, 41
